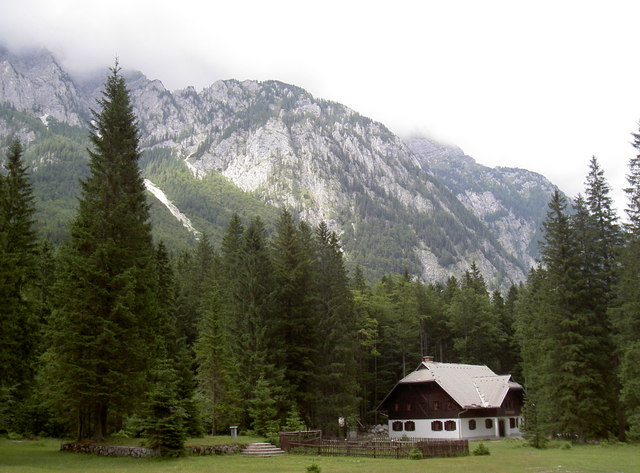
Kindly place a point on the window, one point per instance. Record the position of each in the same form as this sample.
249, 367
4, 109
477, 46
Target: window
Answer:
436, 425
407, 407
397, 426
472, 424
450, 425
488, 423
396, 407
436, 405
513, 422
410, 426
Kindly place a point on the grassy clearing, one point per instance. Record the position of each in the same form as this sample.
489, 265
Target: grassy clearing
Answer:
43, 456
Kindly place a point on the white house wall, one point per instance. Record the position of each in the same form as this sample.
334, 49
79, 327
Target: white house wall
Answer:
423, 428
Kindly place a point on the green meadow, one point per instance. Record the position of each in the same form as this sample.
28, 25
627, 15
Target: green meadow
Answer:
507, 456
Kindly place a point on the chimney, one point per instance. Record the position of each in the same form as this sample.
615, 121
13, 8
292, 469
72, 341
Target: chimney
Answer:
427, 359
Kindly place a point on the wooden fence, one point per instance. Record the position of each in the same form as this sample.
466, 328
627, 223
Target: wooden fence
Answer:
313, 443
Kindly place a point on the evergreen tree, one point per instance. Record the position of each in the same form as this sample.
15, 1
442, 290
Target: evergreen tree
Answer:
436, 332
606, 238
561, 338
625, 312
477, 335
296, 324
367, 356
339, 341
171, 343
249, 313
218, 367
509, 354
533, 319
263, 408
19, 325
196, 275
99, 343
633, 190
164, 416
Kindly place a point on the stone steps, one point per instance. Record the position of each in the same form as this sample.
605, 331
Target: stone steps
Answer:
262, 449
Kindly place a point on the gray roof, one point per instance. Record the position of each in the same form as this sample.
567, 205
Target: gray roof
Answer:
471, 386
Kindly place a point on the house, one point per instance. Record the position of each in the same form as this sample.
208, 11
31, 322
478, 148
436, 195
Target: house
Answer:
454, 401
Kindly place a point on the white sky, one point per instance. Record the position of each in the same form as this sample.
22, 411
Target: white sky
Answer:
540, 85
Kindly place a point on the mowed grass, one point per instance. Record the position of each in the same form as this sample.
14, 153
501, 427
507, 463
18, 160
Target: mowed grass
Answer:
507, 456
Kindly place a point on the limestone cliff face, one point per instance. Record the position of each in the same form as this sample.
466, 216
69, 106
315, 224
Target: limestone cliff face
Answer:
413, 204
511, 202
35, 82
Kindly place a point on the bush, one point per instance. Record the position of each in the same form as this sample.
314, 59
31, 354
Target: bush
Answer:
415, 454
313, 468
481, 450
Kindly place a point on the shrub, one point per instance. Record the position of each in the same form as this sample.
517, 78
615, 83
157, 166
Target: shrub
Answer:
415, 454
313, 468
481, 450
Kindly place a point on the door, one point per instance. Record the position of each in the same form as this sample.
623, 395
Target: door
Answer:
501, 427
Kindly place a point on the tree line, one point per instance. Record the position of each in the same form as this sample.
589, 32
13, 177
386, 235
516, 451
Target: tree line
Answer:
112, 333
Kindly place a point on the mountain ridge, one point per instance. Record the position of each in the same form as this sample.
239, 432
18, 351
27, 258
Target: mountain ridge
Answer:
396, 203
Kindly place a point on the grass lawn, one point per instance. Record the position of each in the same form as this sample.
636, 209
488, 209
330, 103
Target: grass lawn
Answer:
507, 456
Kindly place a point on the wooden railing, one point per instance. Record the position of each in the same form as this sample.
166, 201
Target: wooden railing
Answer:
313, 443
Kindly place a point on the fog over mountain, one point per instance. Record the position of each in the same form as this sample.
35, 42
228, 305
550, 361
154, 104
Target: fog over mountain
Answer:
254, 147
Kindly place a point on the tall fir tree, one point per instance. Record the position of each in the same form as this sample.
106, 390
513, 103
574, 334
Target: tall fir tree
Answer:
98, 338
249, 313
19, 326
533, 321
337, 389
561, 336
476, 330
171, 343
196, 274
296, 323
606, 237
218, 366
625, 312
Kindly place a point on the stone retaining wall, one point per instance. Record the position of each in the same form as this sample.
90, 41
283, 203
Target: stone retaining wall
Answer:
108, 450
139, 452
215, 449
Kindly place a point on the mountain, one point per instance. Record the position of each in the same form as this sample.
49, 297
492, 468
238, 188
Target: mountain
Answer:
254, 147
512, 202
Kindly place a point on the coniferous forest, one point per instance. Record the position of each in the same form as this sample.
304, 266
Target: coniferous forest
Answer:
110, 332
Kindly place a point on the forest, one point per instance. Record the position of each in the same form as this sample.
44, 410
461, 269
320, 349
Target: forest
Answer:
110, 333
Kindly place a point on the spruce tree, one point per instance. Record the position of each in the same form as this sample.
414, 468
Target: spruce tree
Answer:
218, 366
296, 324
562, 337
475, 327
626, 308
534, 319
19, 326
164, 414
196, 274
99, 342
171, 343
339, 342
248, 304
606, 238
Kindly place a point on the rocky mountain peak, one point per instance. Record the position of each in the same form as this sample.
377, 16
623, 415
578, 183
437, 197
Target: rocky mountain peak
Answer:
412, 204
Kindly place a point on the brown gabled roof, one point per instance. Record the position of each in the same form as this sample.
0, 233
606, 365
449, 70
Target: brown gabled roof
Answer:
471, 386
